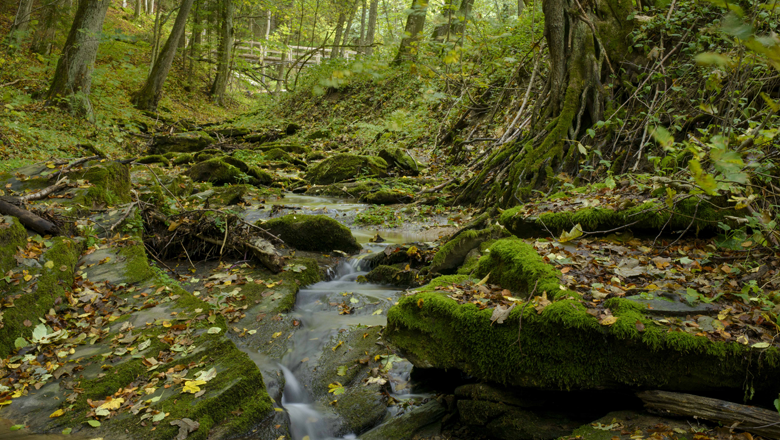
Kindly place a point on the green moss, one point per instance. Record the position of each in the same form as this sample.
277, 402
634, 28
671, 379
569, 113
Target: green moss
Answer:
47, 286
564, 347
183, 159
285, 146
312, 233
181, 186
155, 158
136, 264
393, 276
516, 266
454, 252
110, 184
346, 166
12, 236
277, 154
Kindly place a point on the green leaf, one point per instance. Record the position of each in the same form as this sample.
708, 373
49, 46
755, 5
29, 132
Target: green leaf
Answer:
93, 423
705, 181
713, 59
342, 370
20, 343
663, 137
18, 427
67, 431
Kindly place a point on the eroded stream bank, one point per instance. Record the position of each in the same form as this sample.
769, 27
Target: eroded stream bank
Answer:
177, 300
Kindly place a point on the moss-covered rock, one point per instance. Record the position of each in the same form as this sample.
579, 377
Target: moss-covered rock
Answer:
12, 236
110, 184
400, 160
230, 195
315, 156
319, 134
346, 166
453, 254
361, 408
650, 216
207, 154
517, 266
287, 147
188, 142
313, 233
183, 159
563, 347
228, 170
393, 276
277, 154
181, 186
505, 422
387, 197
155, 158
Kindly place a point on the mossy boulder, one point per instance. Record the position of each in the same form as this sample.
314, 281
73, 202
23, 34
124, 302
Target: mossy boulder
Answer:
205, 155
181, 186
183, 159
387, 197
230, 195
346, 166
12, 236
504, 422
287, 147
651, 216
319, 134
562, 346
393, 276
228, 170
277, 154
155, 158
453, 253
110, 184
188, 142
400, 160
313, 233
315, 156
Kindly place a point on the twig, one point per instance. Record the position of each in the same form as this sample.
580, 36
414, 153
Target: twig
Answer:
520, 321
224, 240
187, 254
124, 217
163, 186
42, 194
10, 83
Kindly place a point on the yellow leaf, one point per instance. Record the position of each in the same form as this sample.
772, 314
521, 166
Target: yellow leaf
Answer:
27, 277
338, 345
173, 226
609, 320
483, 280
276, 335
192, 386
420, 302
57, 413
575, 232
49, 264
113, 403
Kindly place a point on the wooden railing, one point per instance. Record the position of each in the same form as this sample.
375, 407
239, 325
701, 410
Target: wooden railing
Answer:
254, 52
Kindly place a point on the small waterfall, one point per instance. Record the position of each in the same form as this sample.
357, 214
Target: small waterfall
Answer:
305, 421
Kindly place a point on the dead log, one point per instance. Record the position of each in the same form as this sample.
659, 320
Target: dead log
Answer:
755, 420
263, 250
28, 219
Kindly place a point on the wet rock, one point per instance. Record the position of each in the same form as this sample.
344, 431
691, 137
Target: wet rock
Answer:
313, 233
407, 424
223, 171
386, 197
346, 166
505, 422
632, 422
230, 195
188, 142
393, 276
400, 160
675, 307
453, 254
361, 408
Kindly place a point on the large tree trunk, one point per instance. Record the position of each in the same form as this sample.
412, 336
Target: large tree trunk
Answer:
149, 95
362, 43
579, 65
137, 10
21, 23
372, 14
463, 16
415, 23
334, 52
348, 27
44, 35
224, 54
73, 77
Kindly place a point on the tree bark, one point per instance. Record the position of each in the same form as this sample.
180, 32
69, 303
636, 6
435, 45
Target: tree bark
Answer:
334, 52
579, 64
44, 35
21, 23
415, 23
73, 77
224, 54
149, 95
362, 42
462, 17
520, 7
372, 15
348, 27
137, 11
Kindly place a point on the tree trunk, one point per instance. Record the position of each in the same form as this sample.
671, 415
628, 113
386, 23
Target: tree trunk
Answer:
463, 16
334, 52
44, 35
579, 65
520, 7
362, 42
196, 39
415, 23
137, 11
224, 54
372, 14
149, 95
348, 27
441, 33
73, 77
21, 23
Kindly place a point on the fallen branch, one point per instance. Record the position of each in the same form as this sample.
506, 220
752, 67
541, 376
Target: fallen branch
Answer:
42, 194
28, 219
746, 418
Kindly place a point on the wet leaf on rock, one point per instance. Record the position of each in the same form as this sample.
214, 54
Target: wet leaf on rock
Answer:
501, 313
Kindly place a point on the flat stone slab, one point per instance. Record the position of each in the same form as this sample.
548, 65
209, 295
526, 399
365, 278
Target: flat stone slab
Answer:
674, 306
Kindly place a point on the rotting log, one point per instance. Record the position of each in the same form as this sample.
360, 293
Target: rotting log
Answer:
754, 420
28, 219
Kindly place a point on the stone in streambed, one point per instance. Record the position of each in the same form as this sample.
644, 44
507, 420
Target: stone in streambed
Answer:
188, 142
228, 170
317, 233
408, 423
399, 159
346, 166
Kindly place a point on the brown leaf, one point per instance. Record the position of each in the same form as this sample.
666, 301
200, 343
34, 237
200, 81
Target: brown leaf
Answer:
639, 326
